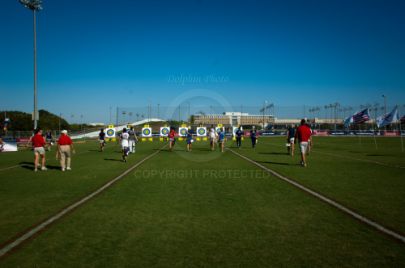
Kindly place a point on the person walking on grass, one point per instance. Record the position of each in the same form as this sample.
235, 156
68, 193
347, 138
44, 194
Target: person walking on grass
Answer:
1, 145
303, 134
172, 138
49, 140
290, 140
38, 144
101, 139
133, 139
213, 138
239, 134
189, 140
253, 137
65, 151
221, 140
310, 140
124, 144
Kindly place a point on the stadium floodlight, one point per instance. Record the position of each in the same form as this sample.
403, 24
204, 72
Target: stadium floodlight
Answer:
34, 5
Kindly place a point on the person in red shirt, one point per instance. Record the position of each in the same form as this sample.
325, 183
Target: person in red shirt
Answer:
172, 138
38, 144
303, 134
65, 150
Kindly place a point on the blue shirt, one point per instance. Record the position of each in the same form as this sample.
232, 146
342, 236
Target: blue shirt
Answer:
253, 134
291, 132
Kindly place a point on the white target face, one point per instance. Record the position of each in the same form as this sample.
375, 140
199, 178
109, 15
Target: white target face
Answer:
110, 133
183, 131
146, 132
201, 132
164, 131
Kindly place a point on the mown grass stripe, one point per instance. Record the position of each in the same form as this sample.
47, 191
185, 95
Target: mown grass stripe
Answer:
325, 199
36, 229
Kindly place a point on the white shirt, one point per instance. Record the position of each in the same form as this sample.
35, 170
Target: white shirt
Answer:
124, 139
213, 134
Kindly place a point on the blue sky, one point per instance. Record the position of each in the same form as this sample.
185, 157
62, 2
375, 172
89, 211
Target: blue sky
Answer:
93, 55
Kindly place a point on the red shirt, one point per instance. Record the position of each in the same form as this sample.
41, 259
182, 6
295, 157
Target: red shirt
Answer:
64, 140
38, 141
303, 133
172, 134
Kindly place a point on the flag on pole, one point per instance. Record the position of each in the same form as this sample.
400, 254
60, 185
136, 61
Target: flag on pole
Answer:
348, 121
387, 119
361, 117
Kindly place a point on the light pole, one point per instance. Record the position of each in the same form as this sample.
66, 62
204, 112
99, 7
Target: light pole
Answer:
263, 110
34, 5
385, 103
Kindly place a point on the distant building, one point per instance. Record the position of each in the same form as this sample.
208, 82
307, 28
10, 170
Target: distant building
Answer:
96, 124
233, 119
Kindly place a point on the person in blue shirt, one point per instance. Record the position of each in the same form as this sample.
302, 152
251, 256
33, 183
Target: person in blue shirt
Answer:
239, 134
49, 140
253, 137
189, 140
101, 139
221, 140
290, 140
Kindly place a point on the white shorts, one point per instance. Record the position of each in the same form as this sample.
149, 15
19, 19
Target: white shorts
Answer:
304, 146
101, 141
39, 150
292, 140
124, 143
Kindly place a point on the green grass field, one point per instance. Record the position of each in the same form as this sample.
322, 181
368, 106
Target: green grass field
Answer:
204, 208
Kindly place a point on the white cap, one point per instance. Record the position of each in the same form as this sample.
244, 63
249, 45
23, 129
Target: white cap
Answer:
64, 131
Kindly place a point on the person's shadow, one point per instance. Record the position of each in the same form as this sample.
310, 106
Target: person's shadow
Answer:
112, 159
274, 153
277, 163
30, 166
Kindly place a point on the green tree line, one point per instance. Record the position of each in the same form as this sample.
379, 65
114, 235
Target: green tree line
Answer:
21, 121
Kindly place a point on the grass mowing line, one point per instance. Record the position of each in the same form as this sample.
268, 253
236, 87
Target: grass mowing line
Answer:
33, 231
7, 168
349, 157
325, 199
359, 159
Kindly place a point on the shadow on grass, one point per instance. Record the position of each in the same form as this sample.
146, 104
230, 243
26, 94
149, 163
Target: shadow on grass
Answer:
274, 153
30, 166
113, 159
277, 163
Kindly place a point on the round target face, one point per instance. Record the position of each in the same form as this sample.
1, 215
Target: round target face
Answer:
202, 131
165, 131
110, 132
146, 132
183, 132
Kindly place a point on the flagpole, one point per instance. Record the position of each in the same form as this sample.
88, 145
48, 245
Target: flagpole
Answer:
402, 138
375, 140
400, 131
359, 134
